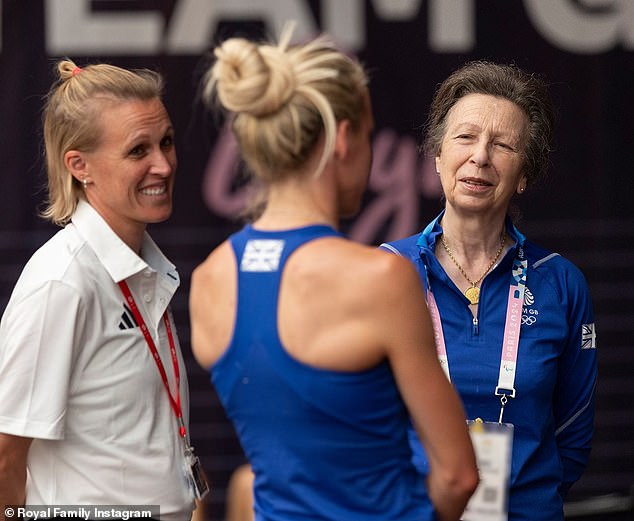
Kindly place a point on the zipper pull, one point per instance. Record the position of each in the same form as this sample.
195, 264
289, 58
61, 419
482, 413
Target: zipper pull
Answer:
475, 325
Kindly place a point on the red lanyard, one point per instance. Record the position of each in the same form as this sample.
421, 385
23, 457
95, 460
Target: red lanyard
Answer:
174, 401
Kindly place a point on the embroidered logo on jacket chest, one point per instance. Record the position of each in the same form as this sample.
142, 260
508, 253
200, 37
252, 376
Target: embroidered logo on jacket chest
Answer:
529, 312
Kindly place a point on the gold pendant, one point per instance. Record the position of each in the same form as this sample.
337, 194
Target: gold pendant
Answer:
473, 294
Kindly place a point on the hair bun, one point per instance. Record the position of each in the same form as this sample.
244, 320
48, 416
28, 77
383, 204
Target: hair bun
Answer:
66, 69
253, 80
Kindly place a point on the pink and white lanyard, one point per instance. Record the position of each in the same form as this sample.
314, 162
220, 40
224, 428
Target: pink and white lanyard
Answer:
508, 360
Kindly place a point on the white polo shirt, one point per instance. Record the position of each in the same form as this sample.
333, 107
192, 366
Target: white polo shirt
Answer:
78, 377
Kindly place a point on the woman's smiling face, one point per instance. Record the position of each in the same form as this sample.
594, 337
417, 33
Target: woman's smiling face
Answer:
481, 157
130, 174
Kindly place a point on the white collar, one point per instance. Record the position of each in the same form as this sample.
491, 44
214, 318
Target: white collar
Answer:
119, 260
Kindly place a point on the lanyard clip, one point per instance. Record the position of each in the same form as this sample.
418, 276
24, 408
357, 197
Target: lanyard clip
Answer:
503, 391
503, 399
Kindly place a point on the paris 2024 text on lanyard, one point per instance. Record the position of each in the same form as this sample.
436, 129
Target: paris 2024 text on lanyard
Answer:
492, 442
193, 470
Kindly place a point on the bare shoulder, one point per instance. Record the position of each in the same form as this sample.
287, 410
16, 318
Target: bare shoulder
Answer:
385, 269
214, 266
366, 271
212, 299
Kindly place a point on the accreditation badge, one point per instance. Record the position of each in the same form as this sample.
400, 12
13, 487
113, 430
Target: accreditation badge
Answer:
492, 443
195, 475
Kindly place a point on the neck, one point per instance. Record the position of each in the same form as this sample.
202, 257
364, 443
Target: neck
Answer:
472, 236
130, 232
468, 249
295, 204
134, 241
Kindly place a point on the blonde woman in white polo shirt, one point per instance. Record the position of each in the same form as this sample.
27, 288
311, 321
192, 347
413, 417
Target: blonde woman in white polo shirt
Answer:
93, 392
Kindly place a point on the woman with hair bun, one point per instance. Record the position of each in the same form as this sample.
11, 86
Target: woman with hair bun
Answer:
93, 393
315, 344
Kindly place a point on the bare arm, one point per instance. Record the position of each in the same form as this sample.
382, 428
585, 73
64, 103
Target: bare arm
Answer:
212, 304
434, 406
13, 452
240, 495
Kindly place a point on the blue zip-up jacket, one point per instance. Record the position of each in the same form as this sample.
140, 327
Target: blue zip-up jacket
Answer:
553, 410
324, 445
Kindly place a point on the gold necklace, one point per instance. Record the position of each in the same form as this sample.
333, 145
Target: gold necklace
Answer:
473, 292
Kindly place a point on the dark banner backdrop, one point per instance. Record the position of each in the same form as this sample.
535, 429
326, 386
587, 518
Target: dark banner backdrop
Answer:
583, 210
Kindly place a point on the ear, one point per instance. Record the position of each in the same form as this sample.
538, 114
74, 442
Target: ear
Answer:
342, 139
437, 162
75, 164
522, 185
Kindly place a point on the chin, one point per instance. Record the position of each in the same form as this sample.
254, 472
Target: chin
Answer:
158, 217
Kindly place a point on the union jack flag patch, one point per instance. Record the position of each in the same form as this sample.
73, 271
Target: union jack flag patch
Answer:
588, 337
262, 255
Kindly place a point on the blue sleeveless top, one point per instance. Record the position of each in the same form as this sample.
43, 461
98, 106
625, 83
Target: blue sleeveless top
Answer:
324, 445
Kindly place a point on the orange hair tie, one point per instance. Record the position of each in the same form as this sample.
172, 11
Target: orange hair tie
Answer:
76, 70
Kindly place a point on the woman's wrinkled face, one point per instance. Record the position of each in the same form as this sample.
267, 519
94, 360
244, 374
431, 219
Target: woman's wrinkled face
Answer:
130, 174
481, 157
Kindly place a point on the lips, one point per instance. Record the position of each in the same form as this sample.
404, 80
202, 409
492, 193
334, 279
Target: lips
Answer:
154, 190
476, 182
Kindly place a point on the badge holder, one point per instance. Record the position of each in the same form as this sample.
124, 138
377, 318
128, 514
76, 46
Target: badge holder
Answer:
194, 474
493, 443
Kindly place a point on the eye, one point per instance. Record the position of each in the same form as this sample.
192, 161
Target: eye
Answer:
137, 151
167, 141
505, 146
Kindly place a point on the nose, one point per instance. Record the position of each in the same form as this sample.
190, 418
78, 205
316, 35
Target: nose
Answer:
480, 154
164, 162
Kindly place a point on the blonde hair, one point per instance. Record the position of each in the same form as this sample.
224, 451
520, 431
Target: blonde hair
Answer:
282, 99
71, 122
